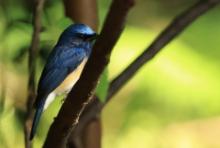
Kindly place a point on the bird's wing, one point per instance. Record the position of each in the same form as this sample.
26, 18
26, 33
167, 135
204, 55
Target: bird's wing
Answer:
61, 62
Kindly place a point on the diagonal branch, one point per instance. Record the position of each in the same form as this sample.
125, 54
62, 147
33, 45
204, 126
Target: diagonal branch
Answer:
83, 91
33, 51
170, 32
178, 24
86, 12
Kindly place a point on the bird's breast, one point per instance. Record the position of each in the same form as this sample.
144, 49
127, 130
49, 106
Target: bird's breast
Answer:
71, 79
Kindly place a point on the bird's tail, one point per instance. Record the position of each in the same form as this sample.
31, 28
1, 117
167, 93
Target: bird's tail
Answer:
36, 121
39, 110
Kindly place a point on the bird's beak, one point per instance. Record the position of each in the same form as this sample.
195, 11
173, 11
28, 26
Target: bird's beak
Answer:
92, 37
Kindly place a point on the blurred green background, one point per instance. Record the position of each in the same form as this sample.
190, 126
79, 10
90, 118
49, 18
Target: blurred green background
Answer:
172, 102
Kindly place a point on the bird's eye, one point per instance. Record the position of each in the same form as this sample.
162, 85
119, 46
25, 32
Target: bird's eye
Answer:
80, 35
88, 37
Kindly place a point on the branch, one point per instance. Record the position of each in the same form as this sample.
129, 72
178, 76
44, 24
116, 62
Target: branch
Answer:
179, 23
33, 51
83, 91
82, 11
86, 12
170, 32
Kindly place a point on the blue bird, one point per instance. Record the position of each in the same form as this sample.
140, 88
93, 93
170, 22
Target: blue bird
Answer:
63, 67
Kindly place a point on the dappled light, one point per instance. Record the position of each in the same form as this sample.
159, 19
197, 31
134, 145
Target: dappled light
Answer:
172, 102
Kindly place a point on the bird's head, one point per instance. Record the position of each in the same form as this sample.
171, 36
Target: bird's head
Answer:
78, 32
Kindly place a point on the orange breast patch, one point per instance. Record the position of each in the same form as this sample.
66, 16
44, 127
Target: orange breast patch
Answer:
71, 79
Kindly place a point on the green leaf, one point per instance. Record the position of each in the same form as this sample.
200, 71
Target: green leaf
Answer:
64, 22
102, 88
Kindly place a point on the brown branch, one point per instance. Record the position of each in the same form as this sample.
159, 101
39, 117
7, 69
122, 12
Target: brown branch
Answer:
92, 137
33, 51
170, 32
82, 11
83, 91
180, 23
86, 12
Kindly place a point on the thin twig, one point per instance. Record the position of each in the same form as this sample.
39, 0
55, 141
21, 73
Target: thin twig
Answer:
83, 91
33, 52
170, 32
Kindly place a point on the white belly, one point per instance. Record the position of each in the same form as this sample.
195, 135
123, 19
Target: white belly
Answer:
67, 84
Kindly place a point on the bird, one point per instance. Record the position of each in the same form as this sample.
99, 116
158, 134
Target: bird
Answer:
63, 67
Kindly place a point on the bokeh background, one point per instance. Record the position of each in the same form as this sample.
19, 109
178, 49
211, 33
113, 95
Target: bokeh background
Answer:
172, 102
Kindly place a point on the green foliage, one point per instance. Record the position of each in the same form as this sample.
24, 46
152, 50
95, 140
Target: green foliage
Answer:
10, 129
102, 88
180, 84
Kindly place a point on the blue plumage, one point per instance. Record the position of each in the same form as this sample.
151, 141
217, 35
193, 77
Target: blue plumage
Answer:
36, 121
72, 49
61, 62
